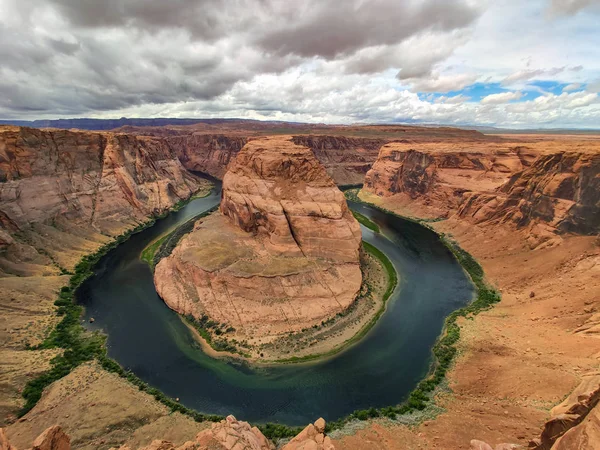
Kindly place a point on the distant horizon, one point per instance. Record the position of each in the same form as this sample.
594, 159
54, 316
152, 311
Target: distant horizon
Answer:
193, 120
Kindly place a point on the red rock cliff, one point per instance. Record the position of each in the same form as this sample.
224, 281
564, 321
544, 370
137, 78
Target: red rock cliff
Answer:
60, 187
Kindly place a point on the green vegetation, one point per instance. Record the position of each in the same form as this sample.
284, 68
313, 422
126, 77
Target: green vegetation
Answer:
392, 283
170, 241
148, 253
207, 328
77, 344
364, 220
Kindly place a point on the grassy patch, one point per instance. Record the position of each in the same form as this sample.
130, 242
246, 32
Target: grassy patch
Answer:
148, 253
78, 345
171, 240
364, 220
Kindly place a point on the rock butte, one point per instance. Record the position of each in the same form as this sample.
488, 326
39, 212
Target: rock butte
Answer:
282, 254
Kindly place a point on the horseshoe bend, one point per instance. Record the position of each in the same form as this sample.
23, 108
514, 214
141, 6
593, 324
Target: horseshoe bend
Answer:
299, 225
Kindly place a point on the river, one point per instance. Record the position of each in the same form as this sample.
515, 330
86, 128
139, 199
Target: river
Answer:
146, 337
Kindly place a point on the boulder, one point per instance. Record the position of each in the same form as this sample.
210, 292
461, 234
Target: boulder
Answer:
311, 438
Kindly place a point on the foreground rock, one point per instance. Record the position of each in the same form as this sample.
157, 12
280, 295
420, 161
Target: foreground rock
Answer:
311, 438
54, 438
282, 255
229, 434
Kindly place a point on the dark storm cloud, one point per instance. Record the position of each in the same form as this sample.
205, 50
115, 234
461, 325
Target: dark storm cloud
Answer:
328, 29
90, 55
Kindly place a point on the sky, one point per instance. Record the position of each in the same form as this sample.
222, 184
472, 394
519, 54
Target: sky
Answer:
503, 63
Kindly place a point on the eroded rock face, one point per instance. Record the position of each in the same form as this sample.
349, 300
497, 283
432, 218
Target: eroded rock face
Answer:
60, 188
88, 178
311, 438
544, 194
346, 160
53, 438
561, 190
282, 255
207, 153
438, 174
280, 190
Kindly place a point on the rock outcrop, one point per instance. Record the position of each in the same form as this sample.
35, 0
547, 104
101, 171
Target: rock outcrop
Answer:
544, 194
54, 438
440, 174
580, 406
229, 434
561, 191
573, 425
311, 438
282, 254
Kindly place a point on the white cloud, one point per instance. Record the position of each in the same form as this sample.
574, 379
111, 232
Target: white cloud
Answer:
524, 75
572, 87
503, 97
453, 100
303, 61
442, 83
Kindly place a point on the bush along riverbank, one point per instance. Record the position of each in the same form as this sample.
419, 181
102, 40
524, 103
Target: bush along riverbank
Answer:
444, 350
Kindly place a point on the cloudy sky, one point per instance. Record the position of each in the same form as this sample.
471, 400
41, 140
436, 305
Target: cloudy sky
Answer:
508, 63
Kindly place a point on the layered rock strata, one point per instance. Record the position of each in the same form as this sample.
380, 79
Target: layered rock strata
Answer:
281, 255
559, 190
62, 195
542, 193
346, 159
60, 187
439, 174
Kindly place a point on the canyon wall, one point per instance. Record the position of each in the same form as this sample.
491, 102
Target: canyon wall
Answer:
207, 153
62, 195
346, 159
544, 191
560, 190
282, 254
439, 174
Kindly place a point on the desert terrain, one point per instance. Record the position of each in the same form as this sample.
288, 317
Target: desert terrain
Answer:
526, 206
